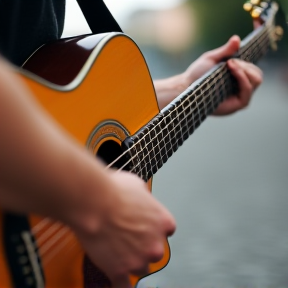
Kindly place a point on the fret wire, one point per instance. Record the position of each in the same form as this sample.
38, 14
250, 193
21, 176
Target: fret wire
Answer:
171, 149
163, 140
249, 44
263, 38
196, 98
133, 147
248, 47
203, 99
170, 112
186, 127
220, 76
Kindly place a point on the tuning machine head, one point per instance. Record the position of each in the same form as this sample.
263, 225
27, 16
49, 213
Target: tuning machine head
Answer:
279, 32
255, 7
277, 35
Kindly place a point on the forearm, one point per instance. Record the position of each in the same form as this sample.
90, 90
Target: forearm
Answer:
169, 88
42, 169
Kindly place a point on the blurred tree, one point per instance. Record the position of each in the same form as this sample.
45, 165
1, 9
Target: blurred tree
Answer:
219, 20
284, 4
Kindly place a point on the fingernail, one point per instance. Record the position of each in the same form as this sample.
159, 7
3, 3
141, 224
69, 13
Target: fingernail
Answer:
232, 62
236, 62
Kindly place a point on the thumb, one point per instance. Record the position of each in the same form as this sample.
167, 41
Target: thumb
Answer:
227, 50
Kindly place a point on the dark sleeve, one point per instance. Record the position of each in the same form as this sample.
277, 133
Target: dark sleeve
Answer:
25, 25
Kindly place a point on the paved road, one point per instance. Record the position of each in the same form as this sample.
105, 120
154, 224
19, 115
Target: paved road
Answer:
228, 189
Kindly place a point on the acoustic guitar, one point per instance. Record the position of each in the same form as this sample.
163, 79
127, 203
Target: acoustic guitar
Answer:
98, 87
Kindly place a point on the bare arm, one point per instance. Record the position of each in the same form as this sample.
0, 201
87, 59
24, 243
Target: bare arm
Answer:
45, 171
40, 164
249, 77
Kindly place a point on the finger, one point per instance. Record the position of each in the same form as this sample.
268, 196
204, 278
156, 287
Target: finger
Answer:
254, 77
257, 23
255, 68
169, 223
171, 227
141, 271
158, 252
121, 282
227, 50
254, 73
245, 86
245, 64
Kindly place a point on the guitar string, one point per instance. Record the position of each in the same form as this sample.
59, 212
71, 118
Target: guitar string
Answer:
61, 245
69, 243
43, 223
174, 128
44, 246
40, 226
168, 135
158, 153
56, 226
160, 150
187, 99
51, 242
48, 233
52, 229
184, 110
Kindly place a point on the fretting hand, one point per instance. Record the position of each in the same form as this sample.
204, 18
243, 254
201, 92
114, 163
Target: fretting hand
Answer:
248, 76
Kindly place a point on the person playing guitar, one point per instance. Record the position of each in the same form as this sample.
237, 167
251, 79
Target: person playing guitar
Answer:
45, 171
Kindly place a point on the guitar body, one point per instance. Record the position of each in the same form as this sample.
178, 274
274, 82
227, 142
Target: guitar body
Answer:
99, 89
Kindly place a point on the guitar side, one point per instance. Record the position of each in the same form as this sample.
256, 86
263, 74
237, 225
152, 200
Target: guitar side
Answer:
109, 96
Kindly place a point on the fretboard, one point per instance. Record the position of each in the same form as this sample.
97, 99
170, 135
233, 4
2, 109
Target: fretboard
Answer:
155, 143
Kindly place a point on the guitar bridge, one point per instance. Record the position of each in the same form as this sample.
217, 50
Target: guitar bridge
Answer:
22, 253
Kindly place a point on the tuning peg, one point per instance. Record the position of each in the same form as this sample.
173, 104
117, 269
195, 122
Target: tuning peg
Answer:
264, 5
274, 46
279, 31
248, 6
255, 2
256, 12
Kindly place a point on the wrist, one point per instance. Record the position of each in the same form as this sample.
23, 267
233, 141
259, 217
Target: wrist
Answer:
91, 199
168, 89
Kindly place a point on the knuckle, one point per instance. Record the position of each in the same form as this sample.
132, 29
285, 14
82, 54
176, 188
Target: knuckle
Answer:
245, 103
207, 55
120, 272
170, 225
156, 253
259, 79
139, 268
247, 89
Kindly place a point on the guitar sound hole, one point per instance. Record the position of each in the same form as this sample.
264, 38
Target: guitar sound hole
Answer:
111, 150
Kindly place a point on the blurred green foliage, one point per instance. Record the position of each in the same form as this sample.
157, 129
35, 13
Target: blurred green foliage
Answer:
220, 19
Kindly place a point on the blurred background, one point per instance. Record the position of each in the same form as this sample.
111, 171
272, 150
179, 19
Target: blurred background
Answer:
228, 185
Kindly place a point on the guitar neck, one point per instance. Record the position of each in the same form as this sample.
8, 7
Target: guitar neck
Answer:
155, 143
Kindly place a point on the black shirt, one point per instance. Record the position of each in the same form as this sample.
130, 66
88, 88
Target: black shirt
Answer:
25, 25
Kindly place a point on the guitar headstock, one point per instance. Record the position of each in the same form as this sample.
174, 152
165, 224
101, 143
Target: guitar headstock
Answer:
268, 13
